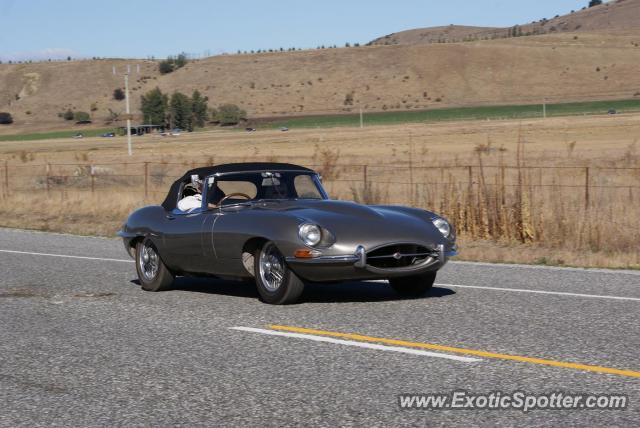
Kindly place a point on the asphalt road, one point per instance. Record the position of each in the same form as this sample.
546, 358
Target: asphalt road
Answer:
82, 345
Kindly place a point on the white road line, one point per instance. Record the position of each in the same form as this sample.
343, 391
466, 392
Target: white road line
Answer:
66, 256
558, 293
519, 290
358, 344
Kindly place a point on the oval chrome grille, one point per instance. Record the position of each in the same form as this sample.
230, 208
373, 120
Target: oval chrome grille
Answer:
399, 255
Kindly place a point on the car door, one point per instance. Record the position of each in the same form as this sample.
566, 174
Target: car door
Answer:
184, 240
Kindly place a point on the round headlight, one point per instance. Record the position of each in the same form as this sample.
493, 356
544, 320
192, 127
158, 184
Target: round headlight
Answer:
443, 226
310, 234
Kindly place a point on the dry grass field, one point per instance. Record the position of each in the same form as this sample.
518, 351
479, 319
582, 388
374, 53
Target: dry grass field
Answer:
525, 70
555, 191
619, 14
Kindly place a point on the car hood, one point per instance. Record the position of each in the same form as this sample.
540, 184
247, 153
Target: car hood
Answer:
370, 223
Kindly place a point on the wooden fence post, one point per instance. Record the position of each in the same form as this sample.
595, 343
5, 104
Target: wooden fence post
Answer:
47, 178
6, 178
146, 180
586, 187
364, 175
93, 179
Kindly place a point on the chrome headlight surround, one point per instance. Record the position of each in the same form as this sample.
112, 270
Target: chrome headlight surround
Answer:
443, 226
310, 234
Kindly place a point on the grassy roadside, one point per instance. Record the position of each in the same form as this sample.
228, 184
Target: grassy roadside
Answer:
398, 117
92, 219
56, 134
459, 113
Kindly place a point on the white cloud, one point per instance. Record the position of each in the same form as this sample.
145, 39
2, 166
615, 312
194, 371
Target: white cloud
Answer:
41, 55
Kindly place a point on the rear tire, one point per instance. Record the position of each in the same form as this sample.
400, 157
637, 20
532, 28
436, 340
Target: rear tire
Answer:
413, 286
152, 272
276, 283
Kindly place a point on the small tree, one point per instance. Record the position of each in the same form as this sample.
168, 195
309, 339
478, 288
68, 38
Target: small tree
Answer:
593, 3
199, 109
68, 115
180, 61
153, 105
348, 99
5, 118
230, 114
118, 94
180, 112
165, 67
81, 116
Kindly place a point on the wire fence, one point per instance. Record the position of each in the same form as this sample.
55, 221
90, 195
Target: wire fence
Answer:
389, 183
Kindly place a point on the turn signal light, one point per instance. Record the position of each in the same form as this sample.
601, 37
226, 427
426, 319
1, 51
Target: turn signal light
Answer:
306, 253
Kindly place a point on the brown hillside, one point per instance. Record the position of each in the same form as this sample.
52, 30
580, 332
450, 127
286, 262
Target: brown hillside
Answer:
614, 15
558, 67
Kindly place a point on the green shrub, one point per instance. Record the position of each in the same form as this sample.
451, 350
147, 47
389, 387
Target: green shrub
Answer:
165, 67
81, 116
230, 114
118, 94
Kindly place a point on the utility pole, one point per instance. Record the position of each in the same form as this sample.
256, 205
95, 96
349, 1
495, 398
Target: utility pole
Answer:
126, 95
361, 119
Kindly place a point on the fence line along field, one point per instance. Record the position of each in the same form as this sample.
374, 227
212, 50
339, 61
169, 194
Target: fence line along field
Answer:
560, 190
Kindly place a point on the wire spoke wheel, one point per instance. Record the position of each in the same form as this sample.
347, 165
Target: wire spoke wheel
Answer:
272, 268
149, 262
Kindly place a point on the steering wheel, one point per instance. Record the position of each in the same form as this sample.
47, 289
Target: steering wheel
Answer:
231, 195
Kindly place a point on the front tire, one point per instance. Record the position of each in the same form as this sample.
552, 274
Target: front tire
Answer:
152, 272
276, 283
413, 286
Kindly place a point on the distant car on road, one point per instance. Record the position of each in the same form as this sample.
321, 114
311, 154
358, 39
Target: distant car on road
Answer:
78, 135
108, 135
274, 223
612, 111
250, 129
284, 129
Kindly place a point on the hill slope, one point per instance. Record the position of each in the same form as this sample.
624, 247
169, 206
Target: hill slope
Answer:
615, 15
558, 67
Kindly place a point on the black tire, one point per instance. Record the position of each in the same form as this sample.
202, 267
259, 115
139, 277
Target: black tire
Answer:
413, 286
159, 280
287, 290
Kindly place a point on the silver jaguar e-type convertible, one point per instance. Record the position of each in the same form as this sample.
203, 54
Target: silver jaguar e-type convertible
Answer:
275, 223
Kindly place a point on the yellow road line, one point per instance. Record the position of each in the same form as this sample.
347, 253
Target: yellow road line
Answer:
478, 353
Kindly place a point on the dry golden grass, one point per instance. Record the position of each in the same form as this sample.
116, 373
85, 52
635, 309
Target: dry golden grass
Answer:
613, 15
506, 210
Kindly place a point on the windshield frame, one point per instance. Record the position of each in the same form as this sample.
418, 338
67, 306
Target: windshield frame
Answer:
315, 177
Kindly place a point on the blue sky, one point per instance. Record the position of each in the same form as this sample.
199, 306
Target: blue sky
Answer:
40, 29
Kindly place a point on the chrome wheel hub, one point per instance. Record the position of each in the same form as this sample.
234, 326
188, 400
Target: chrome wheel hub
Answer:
272, 268
149, 262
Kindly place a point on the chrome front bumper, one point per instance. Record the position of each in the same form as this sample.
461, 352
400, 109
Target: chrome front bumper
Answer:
355, 266
359, 259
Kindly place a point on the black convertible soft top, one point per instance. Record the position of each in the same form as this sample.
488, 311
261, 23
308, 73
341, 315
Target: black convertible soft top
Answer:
171, 200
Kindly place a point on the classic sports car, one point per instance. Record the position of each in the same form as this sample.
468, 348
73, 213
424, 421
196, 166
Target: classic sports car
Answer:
275, 223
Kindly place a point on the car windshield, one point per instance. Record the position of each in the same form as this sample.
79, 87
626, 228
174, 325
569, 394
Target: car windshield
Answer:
239, 187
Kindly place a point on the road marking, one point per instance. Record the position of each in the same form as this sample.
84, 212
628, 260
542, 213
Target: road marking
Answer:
66, 256
558, 293
474, 352
520, 290
359, 344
